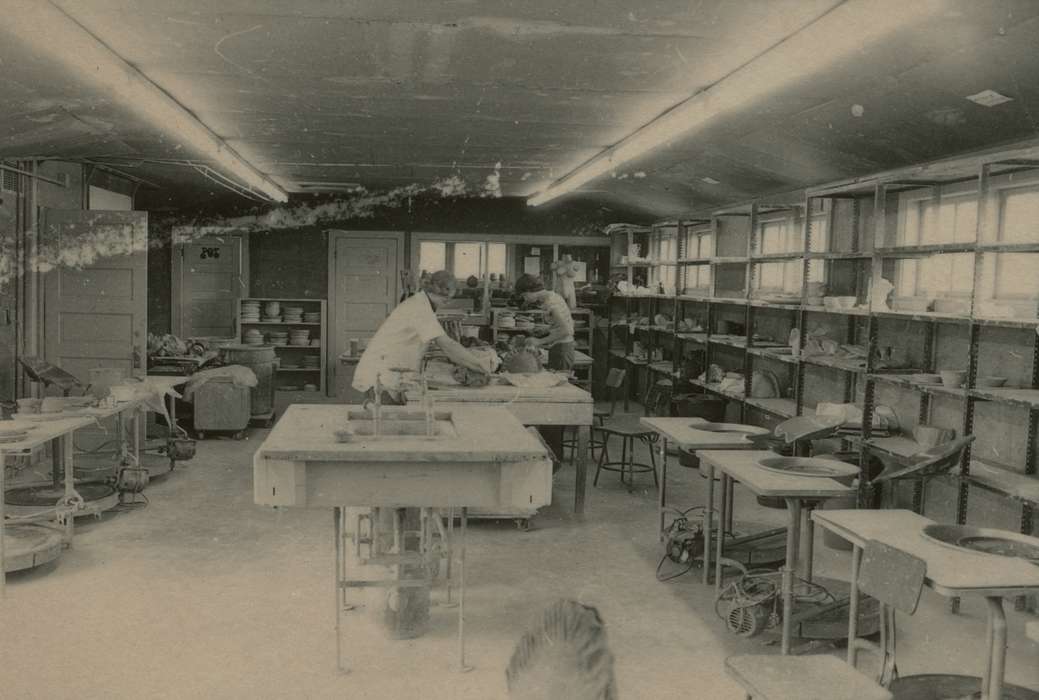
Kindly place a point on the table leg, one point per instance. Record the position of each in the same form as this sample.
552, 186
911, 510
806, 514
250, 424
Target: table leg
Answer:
662, 486
3, 494
450, 553
337, 532
808, 529
173, 428
853, 604
793, 507
720, 536
992, 681
462, 666
708, 518
584, 436
66, 447
136, 422
730, 498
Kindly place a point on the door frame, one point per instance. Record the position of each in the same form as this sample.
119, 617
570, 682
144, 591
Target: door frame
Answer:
183, 235
333, 236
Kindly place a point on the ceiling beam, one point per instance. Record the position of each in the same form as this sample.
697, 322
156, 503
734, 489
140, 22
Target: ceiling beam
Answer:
50, 32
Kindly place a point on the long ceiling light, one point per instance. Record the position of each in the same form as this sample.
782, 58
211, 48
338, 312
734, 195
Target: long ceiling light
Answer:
51, 32
844, 30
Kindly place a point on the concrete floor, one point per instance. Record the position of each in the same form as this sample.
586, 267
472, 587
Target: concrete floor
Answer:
204, 595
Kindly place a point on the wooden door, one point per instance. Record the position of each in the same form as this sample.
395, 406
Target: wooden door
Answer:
209, 276
363, 285
96, 314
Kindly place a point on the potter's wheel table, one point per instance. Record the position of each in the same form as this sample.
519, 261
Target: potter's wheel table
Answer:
562, 405
479, 456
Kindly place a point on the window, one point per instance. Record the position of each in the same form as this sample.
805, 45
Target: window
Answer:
663, 248
463, 258
785, 276
432, 256
950, 218
1018, 215
699, 245
950, 274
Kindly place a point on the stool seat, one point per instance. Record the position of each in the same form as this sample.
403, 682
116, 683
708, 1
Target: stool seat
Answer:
603, 410
818, 677
625, 425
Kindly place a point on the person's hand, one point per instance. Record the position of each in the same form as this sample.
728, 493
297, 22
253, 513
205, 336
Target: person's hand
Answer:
533, 342
487, 361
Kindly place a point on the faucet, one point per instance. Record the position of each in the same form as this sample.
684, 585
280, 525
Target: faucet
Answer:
426, 399
376, 406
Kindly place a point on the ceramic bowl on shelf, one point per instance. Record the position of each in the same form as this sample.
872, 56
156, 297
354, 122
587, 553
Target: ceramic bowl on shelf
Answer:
953, 378
991, 382
926, 379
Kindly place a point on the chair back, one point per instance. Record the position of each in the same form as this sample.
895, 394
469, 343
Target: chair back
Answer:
658, 398
614, 381
895, 578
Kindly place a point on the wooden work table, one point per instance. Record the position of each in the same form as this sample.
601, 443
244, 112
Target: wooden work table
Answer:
563, 405
480, 456
951, 572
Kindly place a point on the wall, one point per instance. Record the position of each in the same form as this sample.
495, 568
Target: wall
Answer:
293, 262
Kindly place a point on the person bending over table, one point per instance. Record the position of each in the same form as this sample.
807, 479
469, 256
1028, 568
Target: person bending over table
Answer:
559, 341
401, 341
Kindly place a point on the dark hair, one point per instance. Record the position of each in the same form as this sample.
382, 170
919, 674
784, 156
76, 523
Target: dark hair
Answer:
529, 283
566, 648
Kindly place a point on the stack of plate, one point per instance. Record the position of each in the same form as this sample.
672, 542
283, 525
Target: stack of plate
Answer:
252, 337
310, 387
250, 311
312, 317
13, 434
299, 337
293, 314
312, 362
286, 365
279, 337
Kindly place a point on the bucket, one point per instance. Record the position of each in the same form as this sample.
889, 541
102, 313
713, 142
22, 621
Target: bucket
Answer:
261, 359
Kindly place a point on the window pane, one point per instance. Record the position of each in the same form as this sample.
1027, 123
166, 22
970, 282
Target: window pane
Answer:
770, 275
966, 219
1017, 275
467, 259
820, 235
496, 258
1019, 219
432, 256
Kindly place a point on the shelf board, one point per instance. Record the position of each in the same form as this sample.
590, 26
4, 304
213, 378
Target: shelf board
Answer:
837, 312
713, 388
842, 364
1023, 487
298, 369
1027, 398
784, 408
832, 255
932, 249
694, 261
926, 316
1009, 247
729, 260
762, 304
776, 257
737, 301
738, 342
280, 323
298, 347
769, 354
1008, 322
694, 297
904, 380
694, 337
662, 367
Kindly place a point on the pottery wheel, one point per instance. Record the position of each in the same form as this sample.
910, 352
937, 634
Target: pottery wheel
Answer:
28, 500
27, 546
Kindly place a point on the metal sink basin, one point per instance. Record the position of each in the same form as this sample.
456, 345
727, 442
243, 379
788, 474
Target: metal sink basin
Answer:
396, 424
734, 428
811, 467
1002, 543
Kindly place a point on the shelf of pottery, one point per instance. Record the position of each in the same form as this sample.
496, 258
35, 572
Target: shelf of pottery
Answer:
295, 328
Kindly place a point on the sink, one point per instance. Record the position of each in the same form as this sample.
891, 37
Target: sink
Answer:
811, 467
735, 428
396, 424
1002, 543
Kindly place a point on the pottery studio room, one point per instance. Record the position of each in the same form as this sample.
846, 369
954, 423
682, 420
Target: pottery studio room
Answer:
646, 349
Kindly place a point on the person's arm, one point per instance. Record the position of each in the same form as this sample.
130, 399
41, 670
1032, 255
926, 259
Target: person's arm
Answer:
460, 356
562, 325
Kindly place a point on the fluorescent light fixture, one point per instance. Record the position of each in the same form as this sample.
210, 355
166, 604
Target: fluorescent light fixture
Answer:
989, 98
842, 32
51, 32
710, 180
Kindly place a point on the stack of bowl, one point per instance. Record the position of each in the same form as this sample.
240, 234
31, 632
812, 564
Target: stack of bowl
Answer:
299, 336
250, 311
312, 362
278, 337
312, 317
252, 337
272, 311
293, 314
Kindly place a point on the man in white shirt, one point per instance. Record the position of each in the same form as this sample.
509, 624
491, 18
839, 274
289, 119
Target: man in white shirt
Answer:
401, 341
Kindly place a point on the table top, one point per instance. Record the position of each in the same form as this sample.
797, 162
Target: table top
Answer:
683, 432
164, 382
42, 432
950, 571
742, 465
306, 432
506, 393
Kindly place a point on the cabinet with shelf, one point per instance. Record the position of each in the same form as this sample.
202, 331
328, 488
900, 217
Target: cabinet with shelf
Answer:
299, 341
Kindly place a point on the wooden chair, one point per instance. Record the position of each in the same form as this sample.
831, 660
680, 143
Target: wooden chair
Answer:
600, 412
895, 578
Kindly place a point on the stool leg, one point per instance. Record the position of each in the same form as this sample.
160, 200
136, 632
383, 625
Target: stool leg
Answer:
624, 457
602, 453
